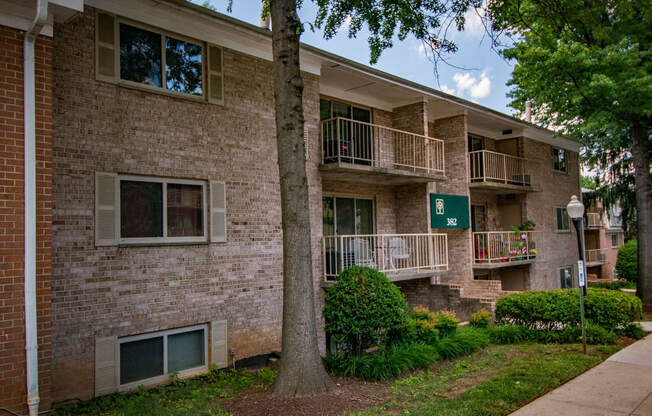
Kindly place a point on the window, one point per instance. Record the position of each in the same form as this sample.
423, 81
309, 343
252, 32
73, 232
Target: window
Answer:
566, 277
475, 143
151, 58
562, 219
559, 160
150, 358
348, 216
161, 209
484, 276
615, 243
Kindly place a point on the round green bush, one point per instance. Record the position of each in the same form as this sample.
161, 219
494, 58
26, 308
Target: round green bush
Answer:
364, 309
556, 309
627, 262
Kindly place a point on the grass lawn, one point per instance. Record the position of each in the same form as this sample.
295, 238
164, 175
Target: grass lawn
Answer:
494, 381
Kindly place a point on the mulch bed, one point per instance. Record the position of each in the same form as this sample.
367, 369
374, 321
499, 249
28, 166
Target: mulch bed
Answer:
351, 395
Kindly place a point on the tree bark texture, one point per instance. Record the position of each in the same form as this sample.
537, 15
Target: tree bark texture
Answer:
301, 372
641, 156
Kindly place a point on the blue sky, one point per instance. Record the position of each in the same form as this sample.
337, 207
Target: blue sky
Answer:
480, 75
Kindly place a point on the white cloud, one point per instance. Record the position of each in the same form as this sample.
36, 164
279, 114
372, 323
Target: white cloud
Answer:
473, 21
475, 87
445, 88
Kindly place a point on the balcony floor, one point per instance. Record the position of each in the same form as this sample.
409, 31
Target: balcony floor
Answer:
500, 265
400, 275
503, 188
350, 172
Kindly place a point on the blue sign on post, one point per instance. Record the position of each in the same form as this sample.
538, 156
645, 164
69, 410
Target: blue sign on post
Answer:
449, 211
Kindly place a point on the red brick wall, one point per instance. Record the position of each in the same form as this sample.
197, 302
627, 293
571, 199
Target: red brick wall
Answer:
12, 324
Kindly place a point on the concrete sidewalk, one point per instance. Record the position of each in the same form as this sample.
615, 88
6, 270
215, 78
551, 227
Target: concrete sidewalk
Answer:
622, 385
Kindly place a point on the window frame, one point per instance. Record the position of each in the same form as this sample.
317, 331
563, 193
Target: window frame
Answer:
164, 33
557, 229
612, 235
164, 239
554, 161
166, 375
572, 276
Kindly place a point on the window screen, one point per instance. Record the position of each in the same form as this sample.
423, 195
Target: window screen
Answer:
183, 66
140, 360
140, 55
186, 350
562, 219
141, 209
185, 210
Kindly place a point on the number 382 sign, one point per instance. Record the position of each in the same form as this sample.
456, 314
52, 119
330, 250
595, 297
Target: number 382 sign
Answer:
449, 211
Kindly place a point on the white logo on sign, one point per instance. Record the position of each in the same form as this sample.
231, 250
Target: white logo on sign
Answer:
439, 206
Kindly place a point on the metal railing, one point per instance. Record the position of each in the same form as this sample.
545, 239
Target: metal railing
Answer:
360, 143
593, 220
595, 256
491, 247
388, 253
488, 166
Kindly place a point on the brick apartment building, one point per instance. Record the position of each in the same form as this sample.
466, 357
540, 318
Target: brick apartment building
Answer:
158, 224
603, 236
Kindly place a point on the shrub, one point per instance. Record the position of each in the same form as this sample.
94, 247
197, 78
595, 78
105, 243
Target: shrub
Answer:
391, 361
627, 261
617, 285
480, 319
511, 334
446, 322
422, 326
556, 309
364, 309
632, 330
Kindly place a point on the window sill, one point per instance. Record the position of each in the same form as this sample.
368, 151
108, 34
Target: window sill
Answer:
163, 244
560, 172
563, 231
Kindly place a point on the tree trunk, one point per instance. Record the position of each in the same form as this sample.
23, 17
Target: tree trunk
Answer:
302, 372
641, 156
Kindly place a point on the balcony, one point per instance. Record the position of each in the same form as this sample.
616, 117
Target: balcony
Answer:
595, 257
496, 249
364, 152
399, 256
592, 221
501, 172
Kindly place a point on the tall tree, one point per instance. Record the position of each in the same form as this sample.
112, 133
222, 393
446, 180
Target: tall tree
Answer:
301, 372
586, 65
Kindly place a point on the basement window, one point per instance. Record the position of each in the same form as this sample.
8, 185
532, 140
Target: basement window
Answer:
150, 358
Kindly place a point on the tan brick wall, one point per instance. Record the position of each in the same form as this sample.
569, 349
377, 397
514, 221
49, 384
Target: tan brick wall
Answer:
119, 291
12, 305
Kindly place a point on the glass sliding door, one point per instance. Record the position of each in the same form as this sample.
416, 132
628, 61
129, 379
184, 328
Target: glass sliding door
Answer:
353, 220
355, 138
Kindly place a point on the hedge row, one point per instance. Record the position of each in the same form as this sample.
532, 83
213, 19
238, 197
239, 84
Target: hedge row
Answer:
556, 309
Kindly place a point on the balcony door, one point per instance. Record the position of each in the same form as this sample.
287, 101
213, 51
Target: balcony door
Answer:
349, 127
476, 143
348, 216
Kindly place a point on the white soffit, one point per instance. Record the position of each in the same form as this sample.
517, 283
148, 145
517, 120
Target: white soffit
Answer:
202, 27
18, 14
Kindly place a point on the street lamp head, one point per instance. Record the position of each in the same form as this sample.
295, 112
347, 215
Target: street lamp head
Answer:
575, 208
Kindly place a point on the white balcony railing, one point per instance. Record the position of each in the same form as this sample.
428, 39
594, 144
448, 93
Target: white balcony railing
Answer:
593, 220
389, 253
357, 142
596, 256
495, 247
488, 166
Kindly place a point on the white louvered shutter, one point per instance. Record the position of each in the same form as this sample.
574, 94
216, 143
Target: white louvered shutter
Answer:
105, 366
106, 209
105, 47
219, 353
218, 212
215, 75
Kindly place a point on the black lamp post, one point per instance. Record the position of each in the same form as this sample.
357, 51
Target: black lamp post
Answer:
575, 210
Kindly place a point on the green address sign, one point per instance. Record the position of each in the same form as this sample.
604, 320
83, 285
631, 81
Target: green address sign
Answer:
449, 211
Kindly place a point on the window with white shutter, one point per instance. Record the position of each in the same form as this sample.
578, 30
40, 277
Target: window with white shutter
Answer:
215, 78
106, 47
218, 212
105, 366
219, 352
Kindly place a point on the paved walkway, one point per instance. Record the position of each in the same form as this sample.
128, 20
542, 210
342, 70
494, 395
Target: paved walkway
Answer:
622, 385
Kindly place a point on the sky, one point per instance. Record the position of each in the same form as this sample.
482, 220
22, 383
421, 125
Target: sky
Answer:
476, 73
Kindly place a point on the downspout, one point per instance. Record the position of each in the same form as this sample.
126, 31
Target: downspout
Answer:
31, 340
